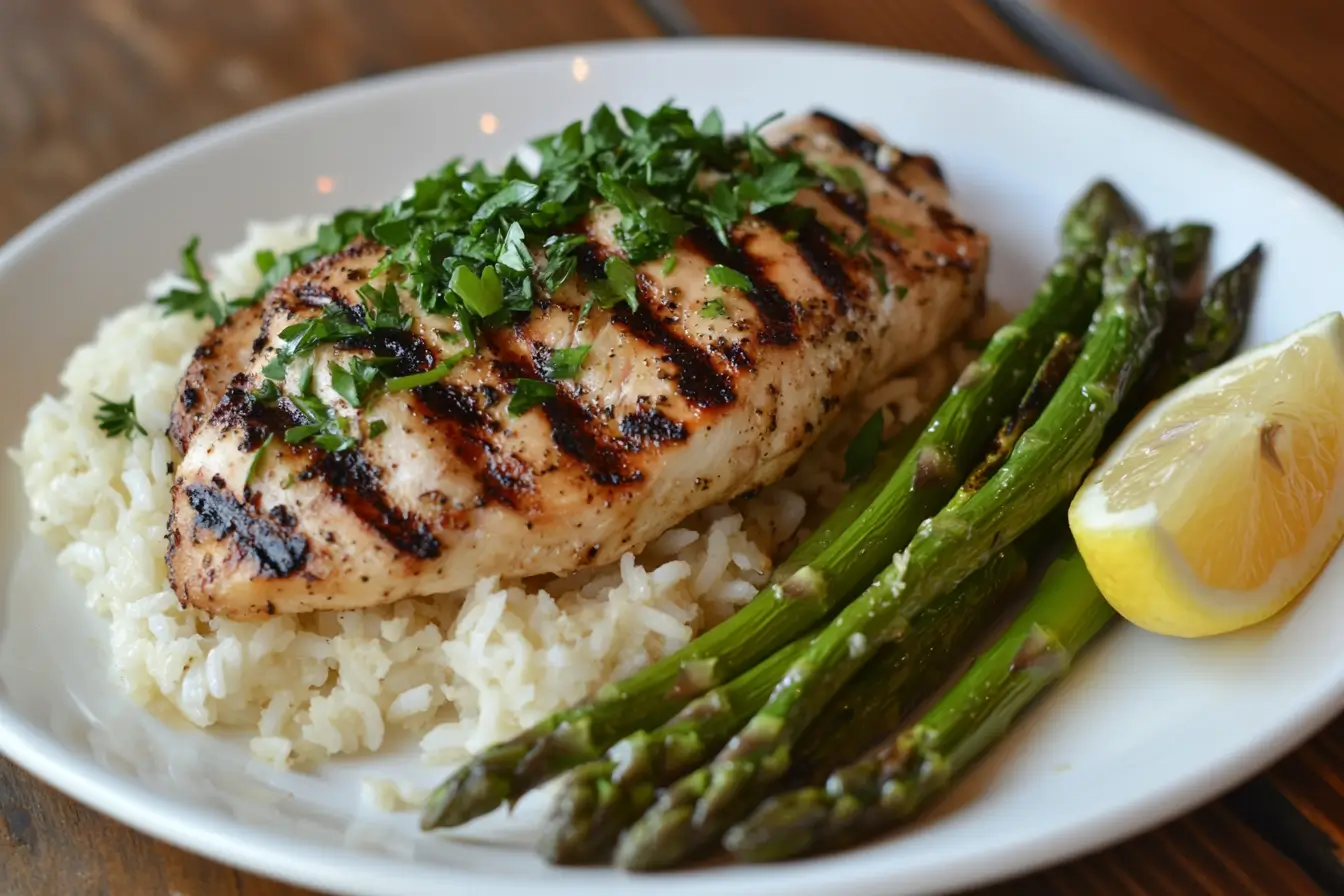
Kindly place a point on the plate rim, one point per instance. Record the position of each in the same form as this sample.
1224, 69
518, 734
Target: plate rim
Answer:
237, 844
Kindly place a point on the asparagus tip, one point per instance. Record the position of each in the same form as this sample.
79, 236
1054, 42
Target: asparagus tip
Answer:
783, 827
469, 793
661, 839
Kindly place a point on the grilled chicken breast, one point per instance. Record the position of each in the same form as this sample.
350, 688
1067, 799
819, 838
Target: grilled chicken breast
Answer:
672, 410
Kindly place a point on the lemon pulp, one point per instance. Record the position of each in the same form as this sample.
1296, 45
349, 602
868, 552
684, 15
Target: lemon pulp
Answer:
1223, 500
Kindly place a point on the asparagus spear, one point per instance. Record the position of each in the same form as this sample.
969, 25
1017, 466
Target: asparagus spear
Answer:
1189, 253
1045, 467
814, 589
874, 793
1190, 246
1052, 371
1219, 322
1067, 612
1100, 212
604, 797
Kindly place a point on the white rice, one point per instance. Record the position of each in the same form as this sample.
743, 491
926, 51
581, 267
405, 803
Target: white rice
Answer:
457, 671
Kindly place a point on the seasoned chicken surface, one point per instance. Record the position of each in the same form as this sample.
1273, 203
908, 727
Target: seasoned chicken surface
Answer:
675, 407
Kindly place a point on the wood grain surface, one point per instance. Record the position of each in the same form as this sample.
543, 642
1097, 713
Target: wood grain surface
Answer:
1266, 74
963, 28
88, 85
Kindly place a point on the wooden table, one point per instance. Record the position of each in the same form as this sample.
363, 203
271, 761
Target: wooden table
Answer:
88, 85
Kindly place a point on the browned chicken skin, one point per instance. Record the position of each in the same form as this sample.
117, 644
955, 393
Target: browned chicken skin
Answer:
672, 410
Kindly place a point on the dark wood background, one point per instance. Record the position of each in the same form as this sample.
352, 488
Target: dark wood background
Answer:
88, 85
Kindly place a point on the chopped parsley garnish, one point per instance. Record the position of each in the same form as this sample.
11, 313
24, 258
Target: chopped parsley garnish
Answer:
713, 308
843, 176
254, 466
305, 380
484, 294
428, 377
482, 245
895, 226
560, 259
564, 363
879, 272
863, 245
333, 324
860, 244
264, 260
861, 453
382, 309
621, 284
117, 418
722, 275
198, 300
377, 428
462, 242
325, 427
354, 382
901, 291
528, 394
268, 393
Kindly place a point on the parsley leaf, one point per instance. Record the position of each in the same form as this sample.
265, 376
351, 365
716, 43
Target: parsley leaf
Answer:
332, 325
197, 301
670, 264
515, 255
355, 381
564, 363
622, 285
712, 124
268, 392
861, 453
306, 380
382, 310
843, 176
377, 428
325, 428
560, 260
713, 308
255, 465
515, 192
879, 272
397, 230
528, 394
264, 260
427, 377
776, 185
722, 275
895, 227
117, 418
483, 294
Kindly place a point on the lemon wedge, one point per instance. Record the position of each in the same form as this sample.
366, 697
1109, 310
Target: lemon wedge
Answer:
1222, 502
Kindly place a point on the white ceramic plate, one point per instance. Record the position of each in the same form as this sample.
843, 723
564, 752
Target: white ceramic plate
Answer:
1143, 729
